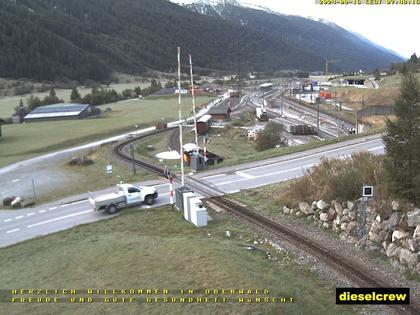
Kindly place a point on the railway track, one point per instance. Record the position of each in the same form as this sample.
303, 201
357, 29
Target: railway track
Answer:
343, 265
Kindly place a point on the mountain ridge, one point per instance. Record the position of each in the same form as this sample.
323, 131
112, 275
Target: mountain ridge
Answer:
91, 39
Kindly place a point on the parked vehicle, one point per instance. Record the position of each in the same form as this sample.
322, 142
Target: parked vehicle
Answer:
127, 195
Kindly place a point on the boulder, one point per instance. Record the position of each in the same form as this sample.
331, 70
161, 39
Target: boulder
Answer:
17, 202
346, 211
343, 226
413, 217
337, 220
338, 208
378, 218
298, 214
343, 236
351, 205
375, 227
326, 225
321, 205
286, 210
352, 215
324, 217
412, 245
8, 201
385, 245
27, 202
351, 226
416, 231
313, 206
331, 214
305, 208
403, 224
393, 250
395, 205
399, 234
393, 221
409, 258
345, 218
377, 238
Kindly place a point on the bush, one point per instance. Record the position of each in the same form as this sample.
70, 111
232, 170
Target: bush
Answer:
340, 179
270, 137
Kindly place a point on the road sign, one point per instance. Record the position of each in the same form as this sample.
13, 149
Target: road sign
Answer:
367, 191
109, 169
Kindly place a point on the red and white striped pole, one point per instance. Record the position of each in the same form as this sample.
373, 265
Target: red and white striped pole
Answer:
171, 191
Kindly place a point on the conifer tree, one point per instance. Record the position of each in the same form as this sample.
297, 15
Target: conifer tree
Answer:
75, 95
402, 142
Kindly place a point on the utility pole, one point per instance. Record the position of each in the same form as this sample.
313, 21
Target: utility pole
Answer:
193, 102
317, 115
132, 158
326, 67
357, 123
33, 188
181, 145
281, 105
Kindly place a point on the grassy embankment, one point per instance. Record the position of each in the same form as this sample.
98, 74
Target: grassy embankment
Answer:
157, 249
28, 140
232, 144
352, 97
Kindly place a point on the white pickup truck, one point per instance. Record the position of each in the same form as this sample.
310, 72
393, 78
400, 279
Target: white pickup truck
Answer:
127, 195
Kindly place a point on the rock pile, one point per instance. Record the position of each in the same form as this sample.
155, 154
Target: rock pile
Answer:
396, 234
18, 202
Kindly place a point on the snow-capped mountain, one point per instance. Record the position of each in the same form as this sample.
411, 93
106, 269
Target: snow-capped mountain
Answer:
312, 35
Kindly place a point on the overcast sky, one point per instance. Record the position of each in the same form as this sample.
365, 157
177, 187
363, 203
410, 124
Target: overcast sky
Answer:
396, 27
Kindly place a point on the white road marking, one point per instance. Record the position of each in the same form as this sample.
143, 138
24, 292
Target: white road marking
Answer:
244, 175
270, 174
376, 148
59, 218
42, 211
19, 217
30, 214
65, 205
213, 176
53, 208
8, 220
12, 231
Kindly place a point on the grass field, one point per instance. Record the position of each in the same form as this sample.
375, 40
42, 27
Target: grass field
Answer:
27, 140
158, 249
93, 177
8, 103
232, 145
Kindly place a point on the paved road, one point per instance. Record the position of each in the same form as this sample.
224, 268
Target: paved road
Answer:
19, 225
292, 166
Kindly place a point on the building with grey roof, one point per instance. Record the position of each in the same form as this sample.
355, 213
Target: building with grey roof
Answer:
62, 112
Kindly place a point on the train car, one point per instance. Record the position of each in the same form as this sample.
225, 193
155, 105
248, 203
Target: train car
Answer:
203, 124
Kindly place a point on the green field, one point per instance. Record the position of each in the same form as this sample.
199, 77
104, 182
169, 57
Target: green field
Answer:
28, 140
8, 103
158, 249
